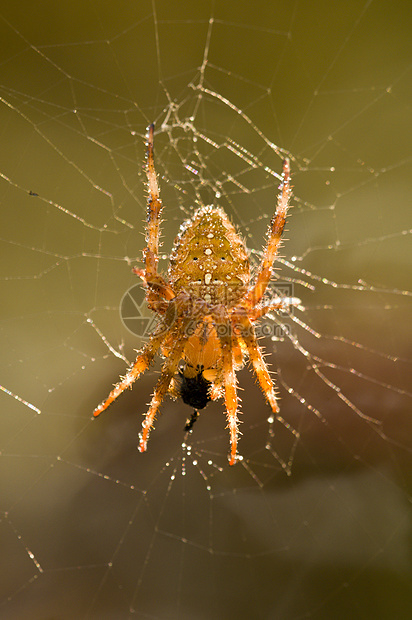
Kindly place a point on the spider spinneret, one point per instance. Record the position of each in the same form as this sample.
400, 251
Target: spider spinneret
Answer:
207, 307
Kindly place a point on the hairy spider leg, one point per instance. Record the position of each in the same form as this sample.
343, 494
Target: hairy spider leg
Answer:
224, 330
151, 278
262, 372
143, 361
275, 233
238, 351
158, 287
257, 313
154, 209
285, 303
168, 371
258, 361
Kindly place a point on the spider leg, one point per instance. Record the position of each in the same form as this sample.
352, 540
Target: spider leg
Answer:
224, 330
284, 304
142, 362
153, 281
154, 208
275, 233
158, 286
145, 358
258, 361
167, 373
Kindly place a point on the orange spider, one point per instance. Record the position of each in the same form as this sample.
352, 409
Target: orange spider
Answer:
206, 308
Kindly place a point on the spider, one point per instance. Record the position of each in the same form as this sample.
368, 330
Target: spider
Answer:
206, 308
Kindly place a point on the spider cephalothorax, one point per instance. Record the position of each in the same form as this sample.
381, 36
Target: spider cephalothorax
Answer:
207, 308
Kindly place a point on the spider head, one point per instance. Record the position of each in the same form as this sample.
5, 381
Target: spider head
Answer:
194, 390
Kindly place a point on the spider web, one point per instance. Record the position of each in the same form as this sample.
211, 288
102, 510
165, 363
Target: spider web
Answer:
315, 520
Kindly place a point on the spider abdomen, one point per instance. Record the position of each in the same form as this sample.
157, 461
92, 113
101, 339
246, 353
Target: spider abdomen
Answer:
209, 259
